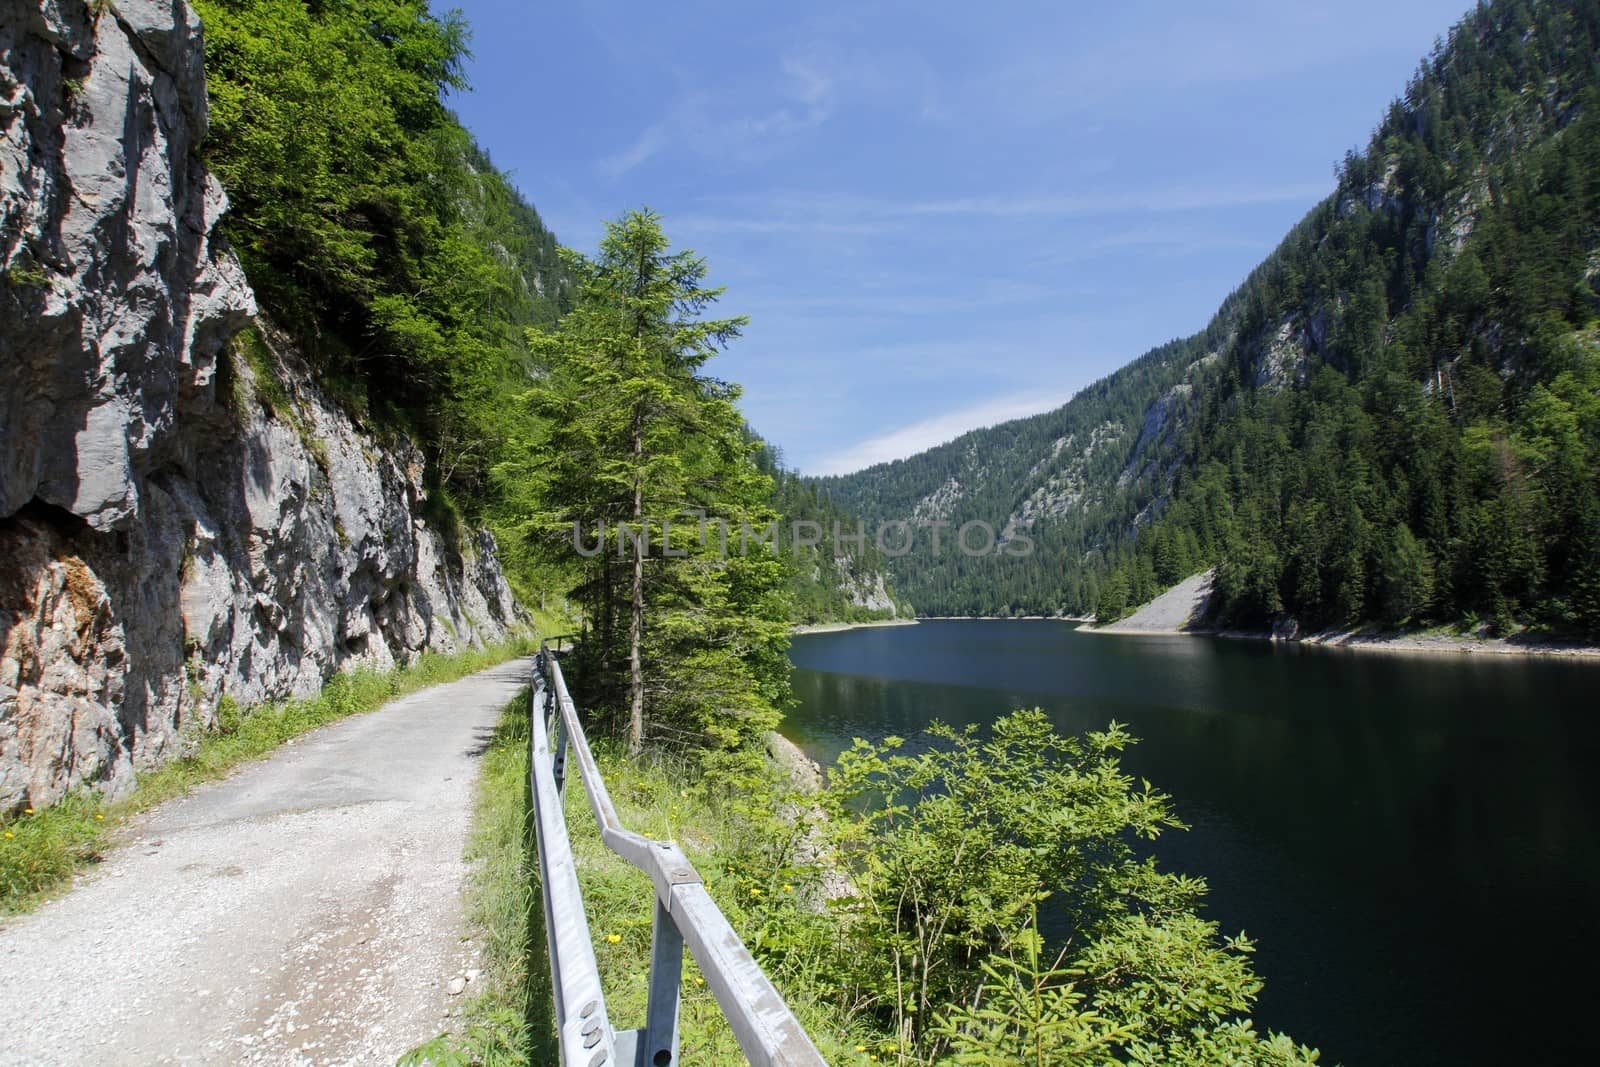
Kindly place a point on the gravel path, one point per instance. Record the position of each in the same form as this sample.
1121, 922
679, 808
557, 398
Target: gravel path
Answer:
306, 910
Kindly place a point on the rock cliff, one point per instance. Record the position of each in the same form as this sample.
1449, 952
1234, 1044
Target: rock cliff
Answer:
177, 521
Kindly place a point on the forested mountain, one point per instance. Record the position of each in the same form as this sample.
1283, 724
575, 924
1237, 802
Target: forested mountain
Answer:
833, 580
1395, 419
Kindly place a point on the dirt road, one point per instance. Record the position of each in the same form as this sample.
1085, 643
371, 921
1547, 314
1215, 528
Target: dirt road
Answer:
307, 910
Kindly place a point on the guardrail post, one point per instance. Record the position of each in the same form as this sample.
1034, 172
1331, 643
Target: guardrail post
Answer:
556, 729
660, 1048
558, 758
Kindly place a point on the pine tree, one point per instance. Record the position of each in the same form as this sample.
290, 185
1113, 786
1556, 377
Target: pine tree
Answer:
641, 447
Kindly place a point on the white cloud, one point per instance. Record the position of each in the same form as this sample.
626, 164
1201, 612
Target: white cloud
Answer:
765, 226
782, 210
923, 435
701, 122
807, 82
1153, 201
651, 141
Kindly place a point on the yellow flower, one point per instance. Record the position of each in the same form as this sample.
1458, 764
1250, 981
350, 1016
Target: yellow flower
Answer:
698, 980
10, 834
27, 811
99, 816
787, 888
613, 938
890, 1048
754, 891
874, 1059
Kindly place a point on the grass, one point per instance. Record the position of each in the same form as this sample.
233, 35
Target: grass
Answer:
40, 851
552, 623
507, 1022
659, 797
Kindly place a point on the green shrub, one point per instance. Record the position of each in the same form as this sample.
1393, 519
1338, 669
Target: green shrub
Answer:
954, 853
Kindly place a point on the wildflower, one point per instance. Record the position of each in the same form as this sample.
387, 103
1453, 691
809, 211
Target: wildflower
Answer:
754, 891
10, 834
698, 980
27, 811
613, 938
787, 888
861, 1048
99, 817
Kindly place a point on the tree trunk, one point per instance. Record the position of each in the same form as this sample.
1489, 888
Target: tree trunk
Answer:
607, 615
636, 623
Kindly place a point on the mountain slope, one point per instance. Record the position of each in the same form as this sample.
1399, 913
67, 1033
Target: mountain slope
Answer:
829, 580
1394, 418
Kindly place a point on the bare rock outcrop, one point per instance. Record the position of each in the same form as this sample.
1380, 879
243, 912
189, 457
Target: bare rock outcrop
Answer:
165, 535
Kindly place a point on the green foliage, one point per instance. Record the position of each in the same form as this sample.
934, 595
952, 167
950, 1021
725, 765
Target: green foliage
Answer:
1028, 1013
39, 851
1113, 601
735, 833
952, 855
955, 851
631, 432
371, 225
22, 275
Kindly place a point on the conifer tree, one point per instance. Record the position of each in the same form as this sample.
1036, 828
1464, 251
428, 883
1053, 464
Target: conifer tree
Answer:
650, 458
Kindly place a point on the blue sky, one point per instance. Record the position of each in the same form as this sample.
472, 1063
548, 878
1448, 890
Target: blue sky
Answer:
939, 216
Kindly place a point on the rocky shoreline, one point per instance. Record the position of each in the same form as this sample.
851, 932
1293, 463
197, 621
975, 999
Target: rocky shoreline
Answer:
1417, 642
1181, 611
834, 627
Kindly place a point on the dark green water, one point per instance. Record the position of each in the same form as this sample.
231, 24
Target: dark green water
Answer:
1412, 840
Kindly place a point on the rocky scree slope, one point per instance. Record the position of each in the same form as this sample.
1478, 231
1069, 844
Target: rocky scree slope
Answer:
173, 524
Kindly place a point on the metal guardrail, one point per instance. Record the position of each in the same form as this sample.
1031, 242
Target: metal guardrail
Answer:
686, 915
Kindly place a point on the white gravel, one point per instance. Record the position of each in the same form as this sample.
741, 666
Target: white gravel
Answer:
307, 910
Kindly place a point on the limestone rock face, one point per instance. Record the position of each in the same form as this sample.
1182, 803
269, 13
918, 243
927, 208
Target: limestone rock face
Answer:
866, 590
165, 536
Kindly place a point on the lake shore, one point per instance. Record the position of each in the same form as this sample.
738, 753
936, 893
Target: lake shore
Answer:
1410, 642
976, 618
1178, 612
1417, 642
833, 627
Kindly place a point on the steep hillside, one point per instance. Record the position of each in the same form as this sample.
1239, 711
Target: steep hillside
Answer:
829, 581
1394, 418
185, 510
1075, 480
